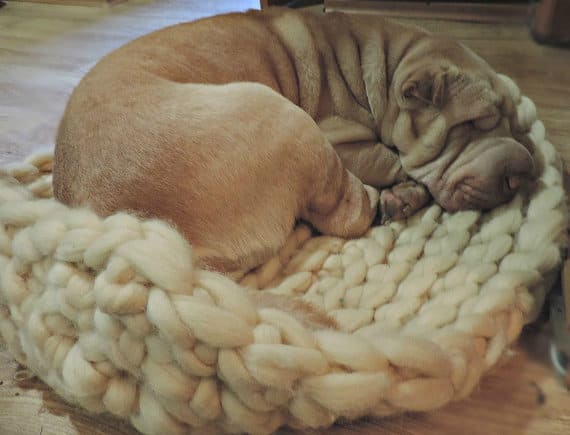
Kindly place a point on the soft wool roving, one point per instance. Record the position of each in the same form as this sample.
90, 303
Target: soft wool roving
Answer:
114, 317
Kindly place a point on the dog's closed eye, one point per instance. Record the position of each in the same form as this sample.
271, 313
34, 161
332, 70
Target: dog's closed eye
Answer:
488, 122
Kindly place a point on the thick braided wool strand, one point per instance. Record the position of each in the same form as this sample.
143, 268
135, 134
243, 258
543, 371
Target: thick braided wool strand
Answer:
113, 316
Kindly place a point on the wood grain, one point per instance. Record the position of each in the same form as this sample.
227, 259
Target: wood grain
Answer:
483, 11
95, 3
44, 51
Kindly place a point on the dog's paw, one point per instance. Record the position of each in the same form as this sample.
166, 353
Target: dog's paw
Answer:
402, 201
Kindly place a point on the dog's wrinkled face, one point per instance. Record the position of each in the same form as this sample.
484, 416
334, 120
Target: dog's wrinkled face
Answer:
453, 131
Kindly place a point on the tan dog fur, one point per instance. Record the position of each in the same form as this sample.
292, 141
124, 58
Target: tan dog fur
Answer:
228, 126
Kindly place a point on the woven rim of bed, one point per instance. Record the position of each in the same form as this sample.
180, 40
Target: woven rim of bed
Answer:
111, 314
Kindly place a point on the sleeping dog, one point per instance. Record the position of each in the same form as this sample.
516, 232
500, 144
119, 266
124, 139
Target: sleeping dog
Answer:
235, 126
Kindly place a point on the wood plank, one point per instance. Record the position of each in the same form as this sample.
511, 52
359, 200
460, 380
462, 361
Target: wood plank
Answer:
484, 12
96, 3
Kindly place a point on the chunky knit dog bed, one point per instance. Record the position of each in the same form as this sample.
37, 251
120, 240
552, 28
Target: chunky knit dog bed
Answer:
112, 315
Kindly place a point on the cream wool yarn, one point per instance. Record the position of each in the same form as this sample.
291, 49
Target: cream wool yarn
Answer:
111, 314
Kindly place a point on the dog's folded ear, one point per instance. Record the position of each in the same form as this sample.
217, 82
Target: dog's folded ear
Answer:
426, 87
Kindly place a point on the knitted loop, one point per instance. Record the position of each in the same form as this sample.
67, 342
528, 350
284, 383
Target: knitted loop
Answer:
115, 317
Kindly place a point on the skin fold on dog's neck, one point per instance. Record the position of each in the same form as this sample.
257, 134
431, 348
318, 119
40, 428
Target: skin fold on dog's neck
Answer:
361, 58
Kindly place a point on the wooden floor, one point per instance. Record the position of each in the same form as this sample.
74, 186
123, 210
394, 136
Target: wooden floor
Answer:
44, 50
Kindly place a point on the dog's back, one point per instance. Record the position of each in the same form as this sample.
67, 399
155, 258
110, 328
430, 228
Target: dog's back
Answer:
170, 127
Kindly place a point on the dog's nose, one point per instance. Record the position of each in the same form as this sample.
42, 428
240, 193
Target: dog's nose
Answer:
519, 167
513, 182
